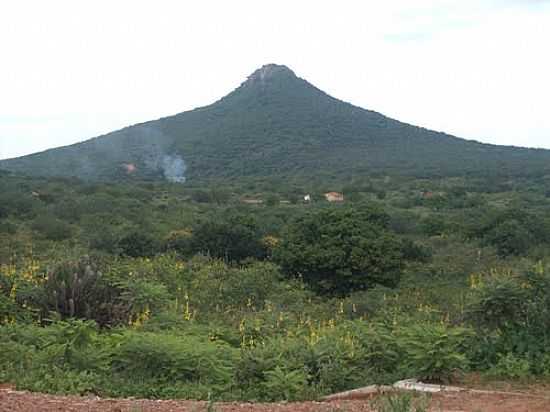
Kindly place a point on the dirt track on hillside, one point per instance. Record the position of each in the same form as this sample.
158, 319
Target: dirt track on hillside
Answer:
19, 401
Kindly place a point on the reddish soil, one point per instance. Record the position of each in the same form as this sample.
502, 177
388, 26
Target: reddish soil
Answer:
18, 401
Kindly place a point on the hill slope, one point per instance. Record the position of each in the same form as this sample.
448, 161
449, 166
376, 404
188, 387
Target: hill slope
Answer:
276, 124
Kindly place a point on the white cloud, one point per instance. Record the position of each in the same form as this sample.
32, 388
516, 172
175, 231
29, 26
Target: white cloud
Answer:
73, 69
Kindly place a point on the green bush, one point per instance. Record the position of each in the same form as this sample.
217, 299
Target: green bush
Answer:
511, 367
7, 227
285, 384
378, 350
52, 228
352, 355
288, 368
510, 238
72, 357
51, 379
66, 357
232, 237
515, 307
179, 241
434, 352
138, 244
215, 287
140, 295
164, 358
338, 251
434, 225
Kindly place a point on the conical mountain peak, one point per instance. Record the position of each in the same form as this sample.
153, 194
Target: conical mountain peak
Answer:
276, 124
270, 72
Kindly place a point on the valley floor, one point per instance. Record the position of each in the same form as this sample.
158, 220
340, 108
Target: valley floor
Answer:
19, 401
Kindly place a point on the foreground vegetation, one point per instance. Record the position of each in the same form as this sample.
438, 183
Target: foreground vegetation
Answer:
171, 291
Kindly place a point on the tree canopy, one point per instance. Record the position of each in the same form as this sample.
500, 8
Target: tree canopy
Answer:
337, 251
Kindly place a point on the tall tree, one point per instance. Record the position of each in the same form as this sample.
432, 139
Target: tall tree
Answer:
337, 251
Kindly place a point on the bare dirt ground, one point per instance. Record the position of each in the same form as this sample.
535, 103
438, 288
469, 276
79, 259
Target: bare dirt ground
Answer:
20, 401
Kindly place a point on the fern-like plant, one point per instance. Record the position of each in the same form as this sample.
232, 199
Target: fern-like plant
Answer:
434, 352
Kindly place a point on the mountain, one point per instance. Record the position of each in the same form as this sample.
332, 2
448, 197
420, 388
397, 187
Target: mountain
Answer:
277, 124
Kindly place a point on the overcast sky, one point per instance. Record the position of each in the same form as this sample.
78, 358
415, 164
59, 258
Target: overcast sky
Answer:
71, 69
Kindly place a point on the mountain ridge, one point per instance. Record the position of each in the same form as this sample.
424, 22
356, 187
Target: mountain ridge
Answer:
276, 124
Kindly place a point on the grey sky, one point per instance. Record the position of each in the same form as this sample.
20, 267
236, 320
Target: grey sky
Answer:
75, 69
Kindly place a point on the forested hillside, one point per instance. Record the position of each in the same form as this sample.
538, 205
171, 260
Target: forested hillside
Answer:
278, 125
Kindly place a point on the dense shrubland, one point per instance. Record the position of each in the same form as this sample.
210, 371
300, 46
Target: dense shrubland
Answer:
177, 291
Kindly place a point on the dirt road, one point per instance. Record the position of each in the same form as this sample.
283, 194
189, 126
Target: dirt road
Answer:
18, 401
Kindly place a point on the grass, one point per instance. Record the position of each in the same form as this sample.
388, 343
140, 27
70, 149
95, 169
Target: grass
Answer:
402, 402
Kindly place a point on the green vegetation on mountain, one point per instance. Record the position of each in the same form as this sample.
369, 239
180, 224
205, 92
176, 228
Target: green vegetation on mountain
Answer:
276, 125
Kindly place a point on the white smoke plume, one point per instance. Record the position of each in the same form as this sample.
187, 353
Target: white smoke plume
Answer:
173, 167
159, 154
